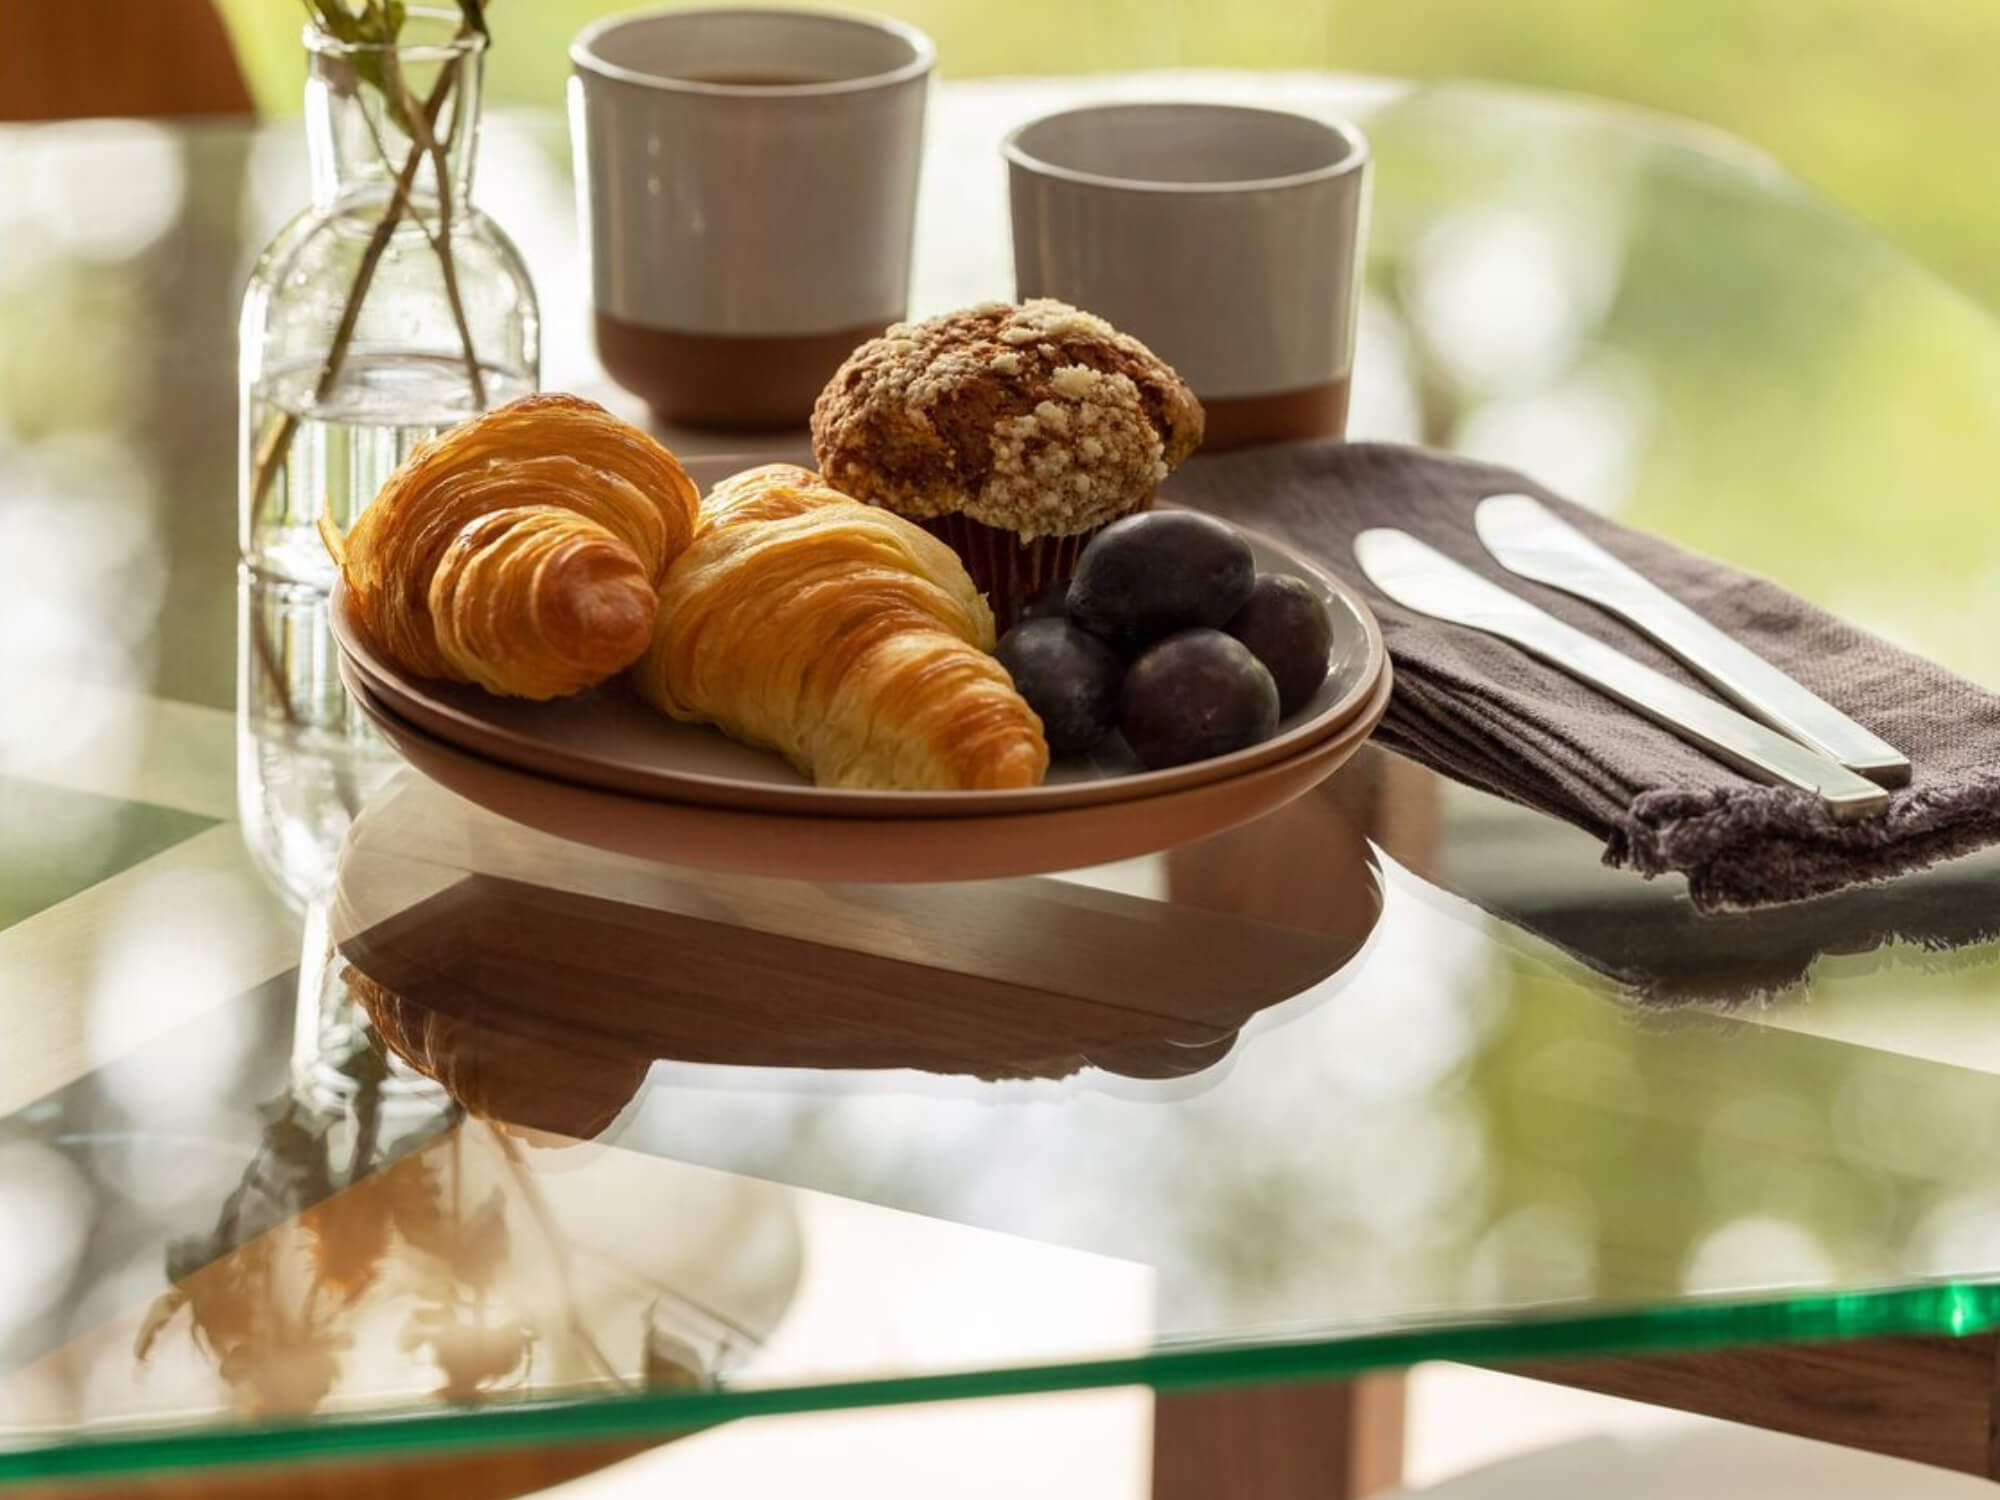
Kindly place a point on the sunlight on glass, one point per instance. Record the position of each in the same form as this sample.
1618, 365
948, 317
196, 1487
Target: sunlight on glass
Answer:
1583, 436
1410, 1020
31, 250
55, 728
1420, 1175
1961, 1231
107, 189
1587, 1097
1762, 1153
1504, 299
173, 948
1757, 1250
275, 183
167, 1170
524, 189
1145, 877
1544, 1251
1385, 407
78, 533
45, 1213
1941, 1132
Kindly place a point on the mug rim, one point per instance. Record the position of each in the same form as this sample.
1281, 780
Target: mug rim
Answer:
584, 59
1355, 159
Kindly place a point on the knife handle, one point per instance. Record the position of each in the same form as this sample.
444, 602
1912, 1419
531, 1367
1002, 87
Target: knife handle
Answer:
1738, 741
1753, 684
1531, 541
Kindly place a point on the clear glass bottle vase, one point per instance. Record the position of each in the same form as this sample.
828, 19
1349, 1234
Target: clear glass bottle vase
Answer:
390, 308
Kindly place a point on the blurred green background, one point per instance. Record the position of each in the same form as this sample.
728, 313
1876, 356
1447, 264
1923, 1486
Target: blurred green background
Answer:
1891, 108
1645, 327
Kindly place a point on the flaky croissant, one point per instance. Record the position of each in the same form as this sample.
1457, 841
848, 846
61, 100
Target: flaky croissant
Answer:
842, 636
770, 492
522, 551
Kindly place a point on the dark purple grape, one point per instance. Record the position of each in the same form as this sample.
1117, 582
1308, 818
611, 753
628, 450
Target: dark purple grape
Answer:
1052, 603
1287, 628
1069, 678
1147, 576
1194, 695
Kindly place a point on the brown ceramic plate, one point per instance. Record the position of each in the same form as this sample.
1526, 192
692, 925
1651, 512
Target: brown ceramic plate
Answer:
888, 850
611, 740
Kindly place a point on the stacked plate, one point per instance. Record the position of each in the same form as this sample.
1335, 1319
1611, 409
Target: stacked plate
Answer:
608, 770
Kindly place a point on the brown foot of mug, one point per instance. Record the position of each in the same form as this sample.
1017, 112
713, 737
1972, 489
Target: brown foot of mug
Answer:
725, 382
1315, 411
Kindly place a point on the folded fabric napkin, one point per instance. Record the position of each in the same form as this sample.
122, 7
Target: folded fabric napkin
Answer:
1486, 713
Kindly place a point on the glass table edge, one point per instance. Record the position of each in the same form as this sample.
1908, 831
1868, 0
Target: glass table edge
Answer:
1947, 1309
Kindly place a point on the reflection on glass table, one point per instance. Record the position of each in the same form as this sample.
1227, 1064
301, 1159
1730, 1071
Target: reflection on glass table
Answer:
469, 1267
614, 963
1382, 1079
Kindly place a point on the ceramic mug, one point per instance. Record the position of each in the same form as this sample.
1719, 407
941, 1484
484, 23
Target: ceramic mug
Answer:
747, 181
1227, 239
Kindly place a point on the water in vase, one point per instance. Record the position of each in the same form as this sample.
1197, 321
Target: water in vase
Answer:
342, 448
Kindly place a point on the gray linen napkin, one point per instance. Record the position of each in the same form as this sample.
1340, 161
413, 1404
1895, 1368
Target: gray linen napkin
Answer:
1485, 713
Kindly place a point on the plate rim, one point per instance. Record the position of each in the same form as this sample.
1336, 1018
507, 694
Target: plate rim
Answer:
405, 696
1319, 760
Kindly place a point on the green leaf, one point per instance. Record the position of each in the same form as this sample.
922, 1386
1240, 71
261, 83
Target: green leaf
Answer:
335, 19
378, 26
368, 68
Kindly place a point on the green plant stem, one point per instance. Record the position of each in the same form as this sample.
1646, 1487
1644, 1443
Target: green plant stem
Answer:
267, 658
276, 439
439, 241
425, 136
552, 1233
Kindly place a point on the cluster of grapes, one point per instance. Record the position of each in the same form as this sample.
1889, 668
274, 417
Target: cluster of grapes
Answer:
1168, 633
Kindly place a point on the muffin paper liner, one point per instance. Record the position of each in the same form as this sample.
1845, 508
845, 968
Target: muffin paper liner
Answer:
1011, 573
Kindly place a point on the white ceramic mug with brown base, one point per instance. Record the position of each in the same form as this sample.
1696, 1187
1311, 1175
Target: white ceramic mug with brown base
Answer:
748, 187
1227, 239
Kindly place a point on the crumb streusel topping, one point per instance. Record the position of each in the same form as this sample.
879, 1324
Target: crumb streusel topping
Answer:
1040, 419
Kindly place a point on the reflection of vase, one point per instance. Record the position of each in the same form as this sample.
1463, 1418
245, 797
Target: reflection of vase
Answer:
306, 762
306, 759
461, 1264
390, 308
336, 1053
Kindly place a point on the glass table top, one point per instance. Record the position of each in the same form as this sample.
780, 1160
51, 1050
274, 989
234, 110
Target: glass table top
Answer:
335, 1112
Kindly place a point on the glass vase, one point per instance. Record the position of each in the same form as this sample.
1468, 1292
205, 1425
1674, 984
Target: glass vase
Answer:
389, 309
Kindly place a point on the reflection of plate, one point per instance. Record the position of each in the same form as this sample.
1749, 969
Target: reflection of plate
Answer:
537, 982
611, 741
870, 849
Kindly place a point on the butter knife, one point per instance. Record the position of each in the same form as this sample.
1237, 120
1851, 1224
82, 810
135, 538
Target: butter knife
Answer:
1421, 578
1530, 539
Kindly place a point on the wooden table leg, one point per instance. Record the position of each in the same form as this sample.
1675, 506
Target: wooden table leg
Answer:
478, 1474
1320, 1441
1927, 1399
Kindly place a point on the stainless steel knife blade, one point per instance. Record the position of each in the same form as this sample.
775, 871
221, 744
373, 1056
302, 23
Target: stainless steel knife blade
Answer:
1530, 539
1419, 577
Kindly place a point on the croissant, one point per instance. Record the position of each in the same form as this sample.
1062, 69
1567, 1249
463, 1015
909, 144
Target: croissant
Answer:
522, 551
842, 636
767, 493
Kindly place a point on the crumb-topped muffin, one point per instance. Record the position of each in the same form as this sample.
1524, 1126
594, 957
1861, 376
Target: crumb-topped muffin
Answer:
1015, 433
